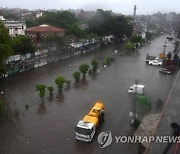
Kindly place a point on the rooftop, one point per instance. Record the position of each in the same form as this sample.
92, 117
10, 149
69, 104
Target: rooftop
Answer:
44, 28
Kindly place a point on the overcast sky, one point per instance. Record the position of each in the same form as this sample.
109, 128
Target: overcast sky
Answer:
118, 6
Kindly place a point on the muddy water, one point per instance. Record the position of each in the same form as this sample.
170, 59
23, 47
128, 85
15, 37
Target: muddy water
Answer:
48, 127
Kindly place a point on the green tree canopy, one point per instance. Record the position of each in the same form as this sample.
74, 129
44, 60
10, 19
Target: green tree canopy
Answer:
104, 23
129, 46
136, 39
50, 89
22, 45
59, 19
76, 75
76, 31
83, 68
94, 63
5, 47
60, 82
42, 90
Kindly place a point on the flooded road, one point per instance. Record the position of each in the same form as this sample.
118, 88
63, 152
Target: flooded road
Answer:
49, 127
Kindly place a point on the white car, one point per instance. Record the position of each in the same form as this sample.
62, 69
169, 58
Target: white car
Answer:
155, 62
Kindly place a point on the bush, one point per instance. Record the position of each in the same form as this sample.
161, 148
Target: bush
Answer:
42, 90
60, 82
94, 63
83, 68
50, 89
76, 75
129, 46
108, 61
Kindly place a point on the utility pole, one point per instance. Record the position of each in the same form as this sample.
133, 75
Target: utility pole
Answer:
164, 45
135, 103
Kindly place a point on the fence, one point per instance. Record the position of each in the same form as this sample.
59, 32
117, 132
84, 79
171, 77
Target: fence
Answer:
15, 67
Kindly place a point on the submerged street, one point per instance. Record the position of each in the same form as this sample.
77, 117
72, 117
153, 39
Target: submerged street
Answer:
49, 127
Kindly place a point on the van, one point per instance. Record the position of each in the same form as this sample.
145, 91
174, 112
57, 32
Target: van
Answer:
138, 89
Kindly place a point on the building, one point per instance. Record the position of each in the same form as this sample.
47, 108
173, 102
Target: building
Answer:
170, 17
15, 27
38, 33
84, 26
2, 18
39, 14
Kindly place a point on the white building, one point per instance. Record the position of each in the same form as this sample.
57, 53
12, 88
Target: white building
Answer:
15, 27
169, 17
39, 14
2, 18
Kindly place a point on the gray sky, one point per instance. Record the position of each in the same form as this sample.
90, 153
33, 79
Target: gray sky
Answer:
118, 6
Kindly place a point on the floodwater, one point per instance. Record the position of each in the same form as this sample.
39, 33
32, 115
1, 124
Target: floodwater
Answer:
48, 127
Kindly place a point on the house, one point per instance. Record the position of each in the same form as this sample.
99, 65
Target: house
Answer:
15, 27
38, 33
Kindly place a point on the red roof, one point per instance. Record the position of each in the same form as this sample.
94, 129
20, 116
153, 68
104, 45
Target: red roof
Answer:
44, 28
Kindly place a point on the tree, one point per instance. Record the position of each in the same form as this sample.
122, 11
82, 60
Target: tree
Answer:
94, 63
22, 45
136, 39
83, 68
149, 35
50, 89
60, 82
108, 60
42, 90
76, 31
59, 19
76, 75
5, 47
104, 23
129, 46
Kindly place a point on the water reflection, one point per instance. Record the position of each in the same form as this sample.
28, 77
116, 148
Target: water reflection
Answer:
80, 85
60, 97
42, 108
50, 99
10, 136
94, 75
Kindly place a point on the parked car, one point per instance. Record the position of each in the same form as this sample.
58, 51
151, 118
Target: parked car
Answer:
149, 58
166, 71
169, 38
155, 62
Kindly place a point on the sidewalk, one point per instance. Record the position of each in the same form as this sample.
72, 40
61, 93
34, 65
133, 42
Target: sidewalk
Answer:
171, 114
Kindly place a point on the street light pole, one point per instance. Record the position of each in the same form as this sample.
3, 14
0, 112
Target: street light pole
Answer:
165, 46
135, 94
